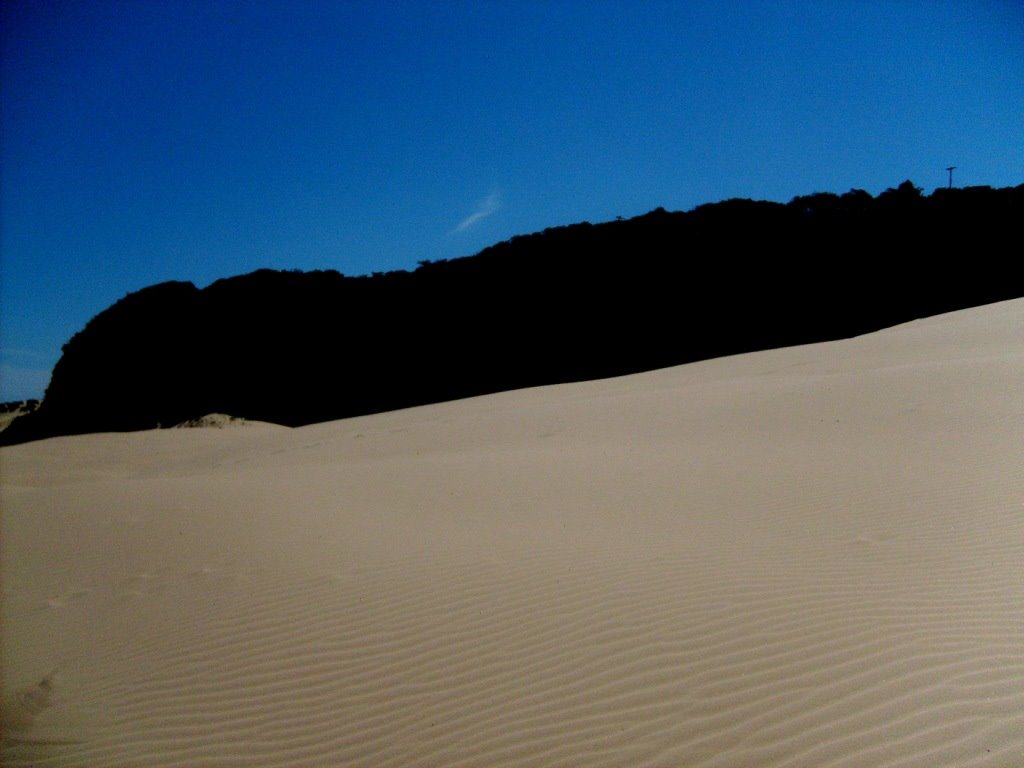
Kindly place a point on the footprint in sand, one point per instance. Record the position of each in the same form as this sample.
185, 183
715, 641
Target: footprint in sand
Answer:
19, 712
59, 601
872, 540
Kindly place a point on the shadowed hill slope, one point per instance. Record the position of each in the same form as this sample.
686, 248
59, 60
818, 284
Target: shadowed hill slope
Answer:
567, 304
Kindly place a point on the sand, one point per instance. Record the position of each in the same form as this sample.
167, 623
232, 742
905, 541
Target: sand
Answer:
804, 557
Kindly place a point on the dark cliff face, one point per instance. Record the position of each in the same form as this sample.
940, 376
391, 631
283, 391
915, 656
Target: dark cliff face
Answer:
570, 303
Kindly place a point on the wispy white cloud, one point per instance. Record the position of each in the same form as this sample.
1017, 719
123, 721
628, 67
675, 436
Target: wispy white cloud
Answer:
487, 206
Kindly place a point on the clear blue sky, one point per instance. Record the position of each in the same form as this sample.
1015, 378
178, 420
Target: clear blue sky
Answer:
154, 140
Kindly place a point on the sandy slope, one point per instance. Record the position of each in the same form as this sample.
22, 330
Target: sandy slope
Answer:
805, 557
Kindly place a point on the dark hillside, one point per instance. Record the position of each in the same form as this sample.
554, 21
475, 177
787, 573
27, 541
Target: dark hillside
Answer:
567, 304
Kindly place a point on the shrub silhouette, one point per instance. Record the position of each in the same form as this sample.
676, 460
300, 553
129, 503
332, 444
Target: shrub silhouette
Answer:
570, 303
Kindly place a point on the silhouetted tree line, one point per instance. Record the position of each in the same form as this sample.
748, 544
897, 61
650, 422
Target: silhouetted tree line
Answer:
566, 304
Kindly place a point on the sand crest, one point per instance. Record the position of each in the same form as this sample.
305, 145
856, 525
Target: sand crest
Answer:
802, 557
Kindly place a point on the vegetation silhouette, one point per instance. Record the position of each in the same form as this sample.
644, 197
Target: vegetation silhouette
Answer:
567, 304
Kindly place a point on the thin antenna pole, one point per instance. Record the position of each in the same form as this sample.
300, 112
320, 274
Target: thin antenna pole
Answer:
951, 169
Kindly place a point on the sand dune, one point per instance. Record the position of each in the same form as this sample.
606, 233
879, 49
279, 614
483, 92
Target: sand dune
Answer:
804, 557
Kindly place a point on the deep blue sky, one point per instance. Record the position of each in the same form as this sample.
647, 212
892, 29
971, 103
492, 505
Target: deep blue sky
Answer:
196, 139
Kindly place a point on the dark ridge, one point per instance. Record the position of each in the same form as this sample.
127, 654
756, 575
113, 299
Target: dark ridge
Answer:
566, 304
